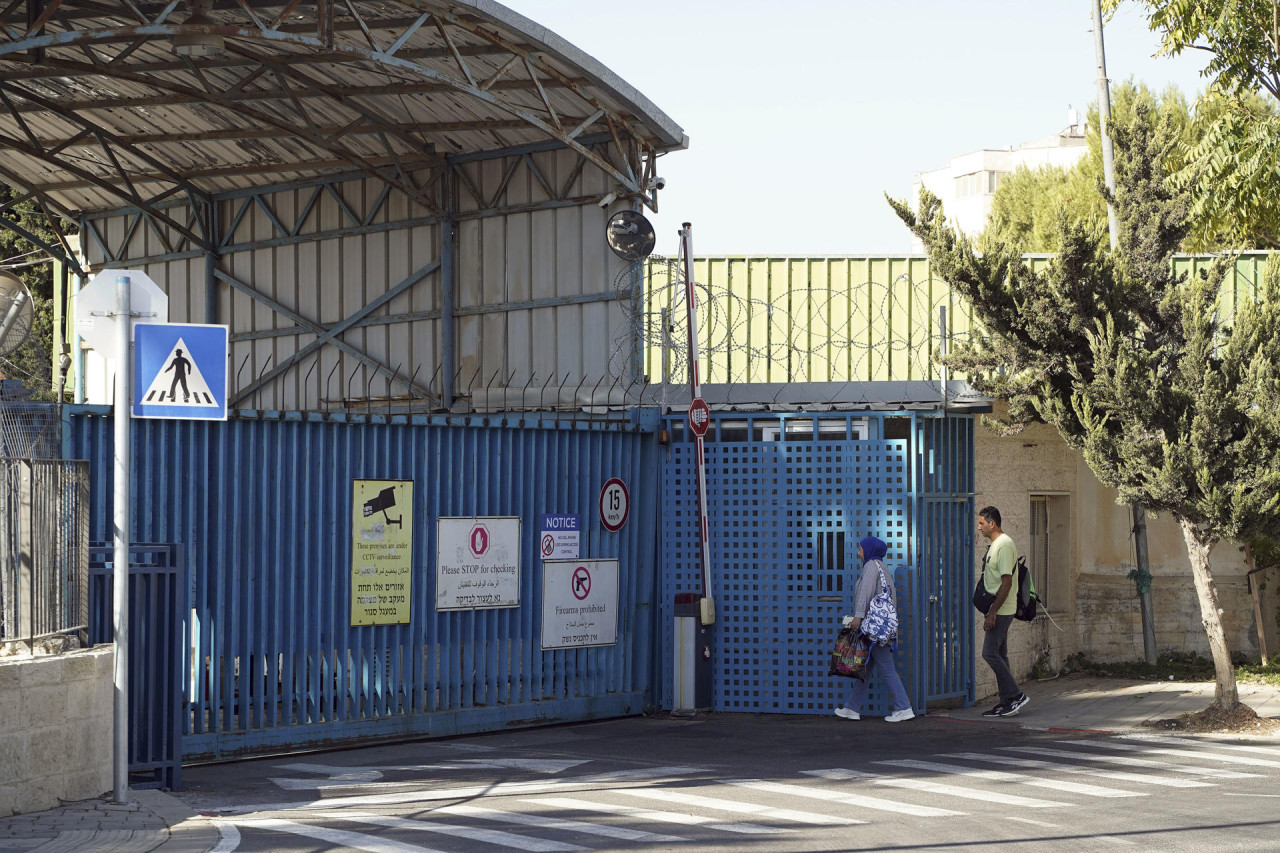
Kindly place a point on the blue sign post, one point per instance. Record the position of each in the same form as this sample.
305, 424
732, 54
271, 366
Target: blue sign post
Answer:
180, 371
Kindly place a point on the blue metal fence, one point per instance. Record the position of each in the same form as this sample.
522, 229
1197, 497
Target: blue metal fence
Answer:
261, 507
157, 605
789, 496
944, 475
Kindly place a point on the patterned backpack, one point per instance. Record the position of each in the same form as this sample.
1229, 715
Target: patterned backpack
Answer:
881, 621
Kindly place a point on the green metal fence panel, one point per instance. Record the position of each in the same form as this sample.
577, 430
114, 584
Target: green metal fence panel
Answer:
833, 319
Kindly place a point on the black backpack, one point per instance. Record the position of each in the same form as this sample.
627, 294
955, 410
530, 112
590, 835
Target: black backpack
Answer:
1028, 601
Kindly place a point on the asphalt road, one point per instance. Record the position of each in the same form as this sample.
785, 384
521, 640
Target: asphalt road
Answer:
745, 782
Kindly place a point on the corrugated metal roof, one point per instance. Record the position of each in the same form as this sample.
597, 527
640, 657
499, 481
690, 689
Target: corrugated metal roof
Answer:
100, 112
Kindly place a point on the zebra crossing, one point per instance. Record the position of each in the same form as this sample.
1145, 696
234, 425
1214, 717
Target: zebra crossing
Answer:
571, 810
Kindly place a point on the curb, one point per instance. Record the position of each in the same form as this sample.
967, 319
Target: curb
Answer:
189, 832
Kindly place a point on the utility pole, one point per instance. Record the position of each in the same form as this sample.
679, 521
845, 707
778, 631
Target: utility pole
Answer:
1104, 122
1143, 571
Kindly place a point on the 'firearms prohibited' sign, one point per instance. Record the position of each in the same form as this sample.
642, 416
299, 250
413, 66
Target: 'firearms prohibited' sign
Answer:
579, 603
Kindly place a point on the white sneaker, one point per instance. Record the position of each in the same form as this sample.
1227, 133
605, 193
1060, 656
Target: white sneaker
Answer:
899, 716
847, 714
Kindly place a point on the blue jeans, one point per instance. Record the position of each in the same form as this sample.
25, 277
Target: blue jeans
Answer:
881, 659
995, 651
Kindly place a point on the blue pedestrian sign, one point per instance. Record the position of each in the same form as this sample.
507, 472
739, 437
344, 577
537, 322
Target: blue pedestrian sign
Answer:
180, 371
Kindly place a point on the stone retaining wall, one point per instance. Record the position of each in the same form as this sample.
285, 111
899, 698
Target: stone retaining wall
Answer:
55, 728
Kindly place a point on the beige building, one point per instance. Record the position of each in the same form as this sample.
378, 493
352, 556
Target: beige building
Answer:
1078, 542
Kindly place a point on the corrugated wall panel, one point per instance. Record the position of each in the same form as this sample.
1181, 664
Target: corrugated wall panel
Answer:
262, 512
553, 263
775, 320
1243, 279
831, 319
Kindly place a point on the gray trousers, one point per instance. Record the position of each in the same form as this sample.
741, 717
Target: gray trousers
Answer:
995, 651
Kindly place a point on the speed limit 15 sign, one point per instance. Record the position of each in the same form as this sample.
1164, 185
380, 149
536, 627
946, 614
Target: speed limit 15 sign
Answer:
615, 504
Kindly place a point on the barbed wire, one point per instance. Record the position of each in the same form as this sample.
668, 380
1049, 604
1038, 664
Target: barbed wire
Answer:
808, 333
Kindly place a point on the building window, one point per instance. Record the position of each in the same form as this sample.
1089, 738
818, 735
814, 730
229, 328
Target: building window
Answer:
1049, 548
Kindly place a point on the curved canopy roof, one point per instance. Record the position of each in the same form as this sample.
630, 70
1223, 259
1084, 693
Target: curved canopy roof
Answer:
107, 105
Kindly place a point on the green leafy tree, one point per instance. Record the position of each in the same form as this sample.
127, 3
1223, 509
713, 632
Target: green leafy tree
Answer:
1174, 407
32, 361
1029, 203
1233, 173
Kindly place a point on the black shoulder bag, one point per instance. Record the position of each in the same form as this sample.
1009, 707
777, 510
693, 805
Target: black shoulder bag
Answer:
982, 599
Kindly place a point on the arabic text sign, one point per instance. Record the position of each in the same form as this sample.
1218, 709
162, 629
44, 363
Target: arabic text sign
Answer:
579, 603
381, 551
477, 562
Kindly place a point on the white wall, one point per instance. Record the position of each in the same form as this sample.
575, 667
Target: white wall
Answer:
969, 212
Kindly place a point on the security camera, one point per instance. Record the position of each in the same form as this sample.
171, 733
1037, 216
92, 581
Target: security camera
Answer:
657, 183
608, 199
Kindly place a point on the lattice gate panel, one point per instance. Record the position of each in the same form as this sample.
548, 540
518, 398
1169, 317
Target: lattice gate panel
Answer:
833, 494
785, 519
743, 515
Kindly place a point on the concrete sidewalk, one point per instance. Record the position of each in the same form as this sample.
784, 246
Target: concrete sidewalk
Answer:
152, 821
160, 822
1080, 702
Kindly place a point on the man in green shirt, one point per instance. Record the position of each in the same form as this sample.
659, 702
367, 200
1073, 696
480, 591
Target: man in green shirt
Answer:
998, 577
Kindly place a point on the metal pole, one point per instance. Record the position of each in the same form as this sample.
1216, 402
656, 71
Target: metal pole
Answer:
942, 333
695, 390
1113, 228
1104, 121
120, 576
1144, 597
666, 355
448, 291
15, 308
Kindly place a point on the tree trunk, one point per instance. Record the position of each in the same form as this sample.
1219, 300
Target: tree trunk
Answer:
1198, 547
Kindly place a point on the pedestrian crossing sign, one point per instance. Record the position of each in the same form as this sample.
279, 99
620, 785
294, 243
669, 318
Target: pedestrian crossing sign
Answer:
180, 371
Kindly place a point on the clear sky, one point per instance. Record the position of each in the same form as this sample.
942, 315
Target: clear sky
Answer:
801, 115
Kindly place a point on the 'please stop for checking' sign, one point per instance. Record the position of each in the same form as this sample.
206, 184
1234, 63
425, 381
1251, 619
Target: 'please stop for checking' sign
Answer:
477, 562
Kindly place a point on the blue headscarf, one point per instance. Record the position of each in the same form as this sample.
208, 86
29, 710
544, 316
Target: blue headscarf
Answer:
873, 549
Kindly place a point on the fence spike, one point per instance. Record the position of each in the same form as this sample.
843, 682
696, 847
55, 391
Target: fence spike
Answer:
327, 396
241, 369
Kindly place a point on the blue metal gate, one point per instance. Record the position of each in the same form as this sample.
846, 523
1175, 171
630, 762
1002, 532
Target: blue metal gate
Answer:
157, 608
789, 496
261, 507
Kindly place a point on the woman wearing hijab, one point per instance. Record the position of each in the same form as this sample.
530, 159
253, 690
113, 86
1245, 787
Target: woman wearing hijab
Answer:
870, 552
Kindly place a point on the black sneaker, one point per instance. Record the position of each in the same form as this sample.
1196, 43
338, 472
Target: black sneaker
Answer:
1018, 704
1001, 710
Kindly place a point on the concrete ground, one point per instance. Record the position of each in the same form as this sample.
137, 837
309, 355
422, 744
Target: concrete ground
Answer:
157, 821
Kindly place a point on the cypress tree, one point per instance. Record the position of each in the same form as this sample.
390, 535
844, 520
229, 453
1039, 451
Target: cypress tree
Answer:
1170, 402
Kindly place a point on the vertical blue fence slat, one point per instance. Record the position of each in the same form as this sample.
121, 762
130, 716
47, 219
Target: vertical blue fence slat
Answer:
261, 511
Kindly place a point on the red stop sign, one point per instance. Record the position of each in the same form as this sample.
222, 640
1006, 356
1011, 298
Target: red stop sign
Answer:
699, 416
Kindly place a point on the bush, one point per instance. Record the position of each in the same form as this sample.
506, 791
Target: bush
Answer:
1172, 666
